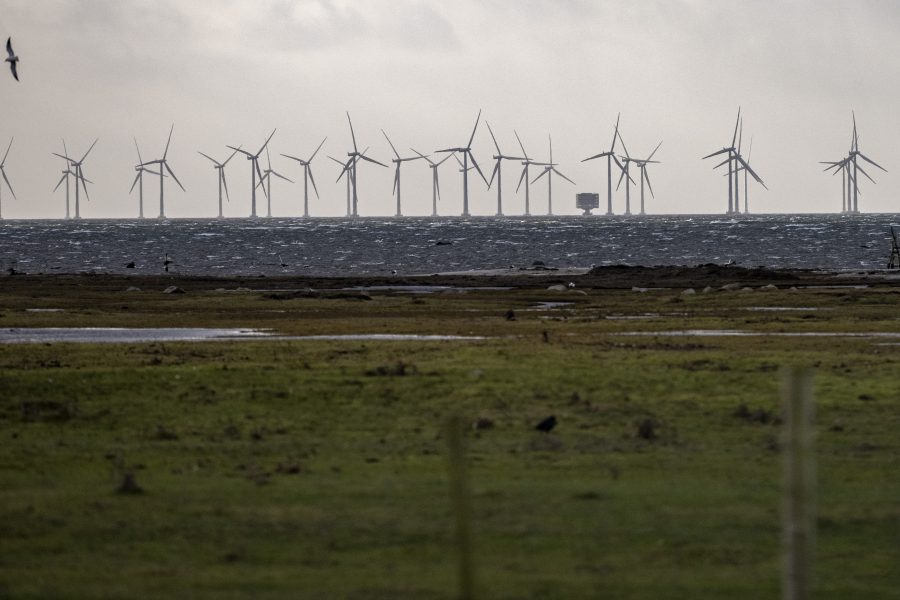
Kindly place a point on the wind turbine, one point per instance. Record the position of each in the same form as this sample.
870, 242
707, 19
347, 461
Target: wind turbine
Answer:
435, 183
626, 174
220, 167
732, 156
736, 164
856, 169
467, 155
526, 163
266, 182
65, 177
254, 171
164, 166
354, 158
847, 180
345, 169
138, 179
397, 162
308, 176
5, 178
549, 170
499, 158
610, 156
642, 165
79, 176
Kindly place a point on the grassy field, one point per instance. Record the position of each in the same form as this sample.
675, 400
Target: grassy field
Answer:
318, 469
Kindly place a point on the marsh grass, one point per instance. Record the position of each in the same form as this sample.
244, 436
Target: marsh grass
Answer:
318, 469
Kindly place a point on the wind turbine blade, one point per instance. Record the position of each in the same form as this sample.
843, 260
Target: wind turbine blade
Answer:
240, 150
166, 151
140, 160
372, 160
544, 172
563, 176
230, 157
612, 148
299, 160
440, 162
312, 180
225, 185
397, 154
491, 131
2, 162
63, 178
459, 162
268, 160
276, 174
494, 173
521, 177
133, 183
854, 144
869, 160
6, 179
477, 168
428, 160
172, 173
550, 139
751, 171
750, 149
89, 150
716, 153
352, 135
660, 144
647, 179
472, 137
741, 137
65, 150
268, 139
863, 171
525, 154
322, 143
63, 157
595, 156
616, 160
437, 184
738, 120
624, 147
214, 161
258, 170
396, 177
83, 184
621, 177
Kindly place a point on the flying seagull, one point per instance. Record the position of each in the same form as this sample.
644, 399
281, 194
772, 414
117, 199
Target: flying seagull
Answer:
13, 59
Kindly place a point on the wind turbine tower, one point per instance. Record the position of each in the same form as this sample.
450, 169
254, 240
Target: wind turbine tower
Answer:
79, 176
5, 178
499, 158
220, 167
549, 170
308, 176
164, 166
467, 155
254, 171
354, 158
265, 183
526, 163
397, 162
610, 156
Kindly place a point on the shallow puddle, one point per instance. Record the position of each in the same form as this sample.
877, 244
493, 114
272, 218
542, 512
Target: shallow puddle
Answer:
388, 337
739, 333
35, 335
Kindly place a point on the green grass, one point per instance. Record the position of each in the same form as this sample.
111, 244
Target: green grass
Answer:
296, 469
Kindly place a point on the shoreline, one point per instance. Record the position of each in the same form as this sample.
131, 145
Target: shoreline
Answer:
537, 277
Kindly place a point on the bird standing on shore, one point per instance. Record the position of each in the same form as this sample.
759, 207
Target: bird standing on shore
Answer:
12, 59
547, 424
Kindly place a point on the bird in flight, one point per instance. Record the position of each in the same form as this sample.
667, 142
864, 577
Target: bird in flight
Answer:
13, 59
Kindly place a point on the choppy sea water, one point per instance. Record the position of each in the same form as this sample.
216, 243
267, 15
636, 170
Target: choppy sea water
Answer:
378, 246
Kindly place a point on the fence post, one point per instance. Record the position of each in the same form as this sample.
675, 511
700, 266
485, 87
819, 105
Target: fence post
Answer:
459, 497
799, 484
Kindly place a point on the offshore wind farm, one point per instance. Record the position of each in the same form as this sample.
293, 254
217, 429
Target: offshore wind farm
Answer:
450, 301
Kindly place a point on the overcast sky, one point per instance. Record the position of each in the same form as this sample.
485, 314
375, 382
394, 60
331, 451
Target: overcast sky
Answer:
230, 71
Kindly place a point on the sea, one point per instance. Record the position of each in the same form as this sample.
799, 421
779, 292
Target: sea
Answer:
371, 246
